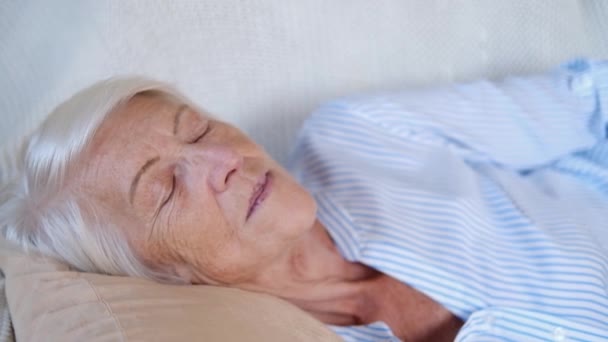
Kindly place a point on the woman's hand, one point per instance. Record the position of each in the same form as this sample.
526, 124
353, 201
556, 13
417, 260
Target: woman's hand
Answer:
411, 315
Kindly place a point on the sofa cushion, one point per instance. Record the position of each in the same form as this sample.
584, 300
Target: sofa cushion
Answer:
264, 65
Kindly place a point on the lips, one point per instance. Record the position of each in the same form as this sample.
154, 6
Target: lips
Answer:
260, 192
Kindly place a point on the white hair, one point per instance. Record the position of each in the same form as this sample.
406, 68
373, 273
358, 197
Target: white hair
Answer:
40, 214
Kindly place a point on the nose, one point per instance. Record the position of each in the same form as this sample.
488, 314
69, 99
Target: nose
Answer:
223, 162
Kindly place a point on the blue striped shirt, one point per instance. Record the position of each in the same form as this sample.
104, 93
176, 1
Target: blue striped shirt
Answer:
489, 197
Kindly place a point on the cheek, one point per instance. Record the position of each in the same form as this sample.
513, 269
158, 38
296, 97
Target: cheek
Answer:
183, 235
227, 262
203, 237
201, 229
197, 213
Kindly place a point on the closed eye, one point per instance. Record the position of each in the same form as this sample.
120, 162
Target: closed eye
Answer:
173, 183
202, 134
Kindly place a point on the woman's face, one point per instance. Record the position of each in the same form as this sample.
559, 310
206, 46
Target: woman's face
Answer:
192, 193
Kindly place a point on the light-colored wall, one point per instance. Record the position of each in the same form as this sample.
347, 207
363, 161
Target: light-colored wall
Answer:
265, 64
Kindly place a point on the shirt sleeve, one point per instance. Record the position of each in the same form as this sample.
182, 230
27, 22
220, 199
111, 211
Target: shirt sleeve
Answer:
519, 123
510, 324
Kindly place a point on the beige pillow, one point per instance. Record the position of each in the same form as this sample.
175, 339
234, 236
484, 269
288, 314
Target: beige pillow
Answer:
49, 302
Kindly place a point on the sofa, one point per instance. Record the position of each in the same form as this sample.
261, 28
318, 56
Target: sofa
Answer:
263, 65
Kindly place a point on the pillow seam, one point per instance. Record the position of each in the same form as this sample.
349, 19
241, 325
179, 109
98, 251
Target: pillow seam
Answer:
108, 309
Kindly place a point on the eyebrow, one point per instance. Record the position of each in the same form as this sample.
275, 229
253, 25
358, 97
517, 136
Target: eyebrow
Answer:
181, 110
141, 171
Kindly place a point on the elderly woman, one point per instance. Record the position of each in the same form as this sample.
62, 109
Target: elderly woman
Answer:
476, 211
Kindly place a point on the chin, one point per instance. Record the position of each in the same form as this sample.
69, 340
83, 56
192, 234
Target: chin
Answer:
304, 211
299, 206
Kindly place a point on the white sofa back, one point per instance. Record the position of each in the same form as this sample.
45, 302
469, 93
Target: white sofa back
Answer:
265, 64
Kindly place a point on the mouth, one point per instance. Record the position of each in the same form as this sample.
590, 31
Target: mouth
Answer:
260, 193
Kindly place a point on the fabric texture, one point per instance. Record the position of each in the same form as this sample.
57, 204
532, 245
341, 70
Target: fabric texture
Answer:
266, 64
50, 302
489, 197
6, 326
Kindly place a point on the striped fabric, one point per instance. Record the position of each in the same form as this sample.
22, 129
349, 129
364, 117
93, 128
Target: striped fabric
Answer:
491, 198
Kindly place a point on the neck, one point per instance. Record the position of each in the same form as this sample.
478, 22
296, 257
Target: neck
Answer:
315, 277
316, 259
313, 272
